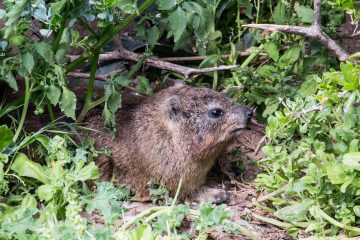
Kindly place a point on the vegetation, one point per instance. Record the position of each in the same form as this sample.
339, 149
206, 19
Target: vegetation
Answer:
309, 101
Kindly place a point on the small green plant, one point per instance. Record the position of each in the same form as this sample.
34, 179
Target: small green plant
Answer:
313, 155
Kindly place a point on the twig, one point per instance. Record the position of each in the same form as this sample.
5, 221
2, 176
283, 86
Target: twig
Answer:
192, 58
259, 145
317, 107
200, 58
313, 32
86, 75
157, 63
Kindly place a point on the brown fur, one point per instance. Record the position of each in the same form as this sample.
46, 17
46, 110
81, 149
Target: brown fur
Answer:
168, 136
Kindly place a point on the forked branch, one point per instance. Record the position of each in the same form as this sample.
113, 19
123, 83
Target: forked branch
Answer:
158, 63
313, 32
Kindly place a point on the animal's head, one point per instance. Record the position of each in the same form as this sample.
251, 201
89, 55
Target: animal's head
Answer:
203, 117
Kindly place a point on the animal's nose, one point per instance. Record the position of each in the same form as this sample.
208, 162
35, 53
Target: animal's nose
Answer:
249, 113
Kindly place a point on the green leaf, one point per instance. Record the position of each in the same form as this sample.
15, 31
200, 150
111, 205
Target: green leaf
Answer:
56, 7
68, 103
336, 174
109, 118
114, 101
291, 55
28, 61
272, 50
88, 172
46, 192
11, 81
296, 212
166, 4
279, 13
305, 13
142, 231
270, 109
248, 7
349, 79
45, 51
13, 17
53, 94
352, 160
28, 202
212, 215
122, 81
308, 87
357, 210
177, 23
105, 199
27, 168
6, 136
266, 71
353, 147
153, 35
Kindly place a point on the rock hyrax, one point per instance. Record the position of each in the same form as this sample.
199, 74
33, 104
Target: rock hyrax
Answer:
177, 133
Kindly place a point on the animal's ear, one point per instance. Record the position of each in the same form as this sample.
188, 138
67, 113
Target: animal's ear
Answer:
172, 108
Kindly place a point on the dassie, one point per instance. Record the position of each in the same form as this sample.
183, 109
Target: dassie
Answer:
177, 133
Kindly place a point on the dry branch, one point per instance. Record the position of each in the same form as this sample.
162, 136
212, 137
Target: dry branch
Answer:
200, 58
313, 32
157, 63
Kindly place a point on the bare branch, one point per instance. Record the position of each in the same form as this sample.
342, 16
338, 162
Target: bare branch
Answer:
157, 63
317, 107
313, 32
200, 58
86, 75
260, 143
317, 15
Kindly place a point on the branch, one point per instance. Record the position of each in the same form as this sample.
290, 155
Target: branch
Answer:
316, 107
313, 32
157, 63
200, 58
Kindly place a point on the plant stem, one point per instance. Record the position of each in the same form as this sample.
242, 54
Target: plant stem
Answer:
107, 36
51, 111
90, 87
252, 56
88, 27
265, 208
257, 11
215, 79
60, 33
135, 68
24, 111
97, 102
336, 223
141, 215
272, 221
273, 194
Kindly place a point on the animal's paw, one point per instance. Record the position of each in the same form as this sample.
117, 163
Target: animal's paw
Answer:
207, 194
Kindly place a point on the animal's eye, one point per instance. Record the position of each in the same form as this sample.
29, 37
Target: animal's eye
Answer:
216, 113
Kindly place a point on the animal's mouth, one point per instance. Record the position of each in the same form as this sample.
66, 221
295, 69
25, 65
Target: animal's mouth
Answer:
238, 130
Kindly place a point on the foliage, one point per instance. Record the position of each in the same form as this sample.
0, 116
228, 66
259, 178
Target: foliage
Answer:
314, 152
312, 155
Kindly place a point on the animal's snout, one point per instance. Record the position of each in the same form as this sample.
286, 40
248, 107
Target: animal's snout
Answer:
249, 113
